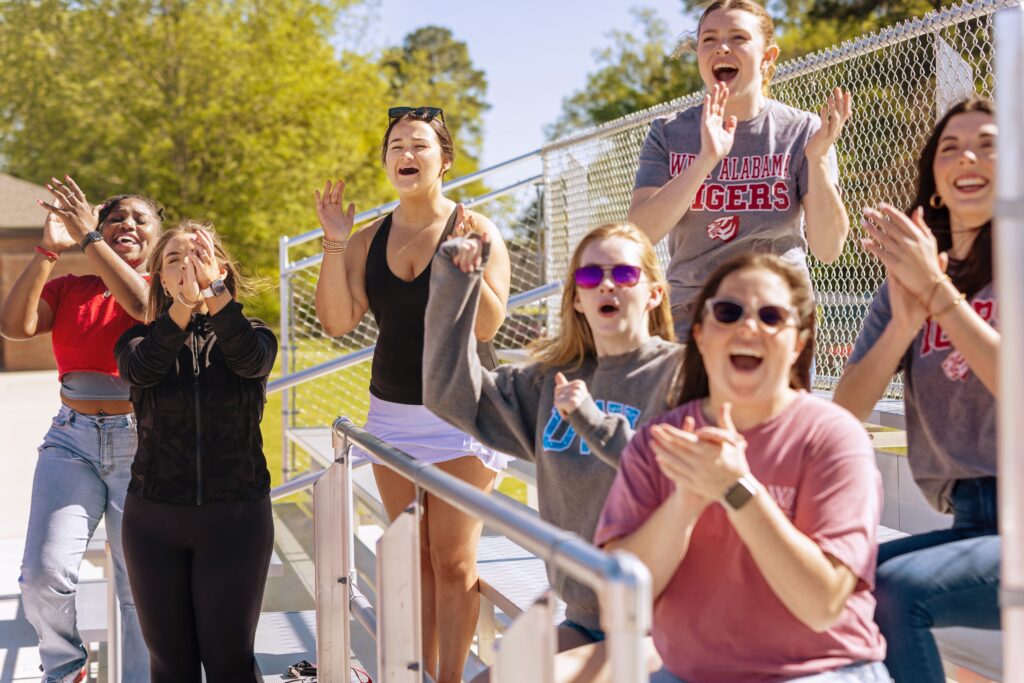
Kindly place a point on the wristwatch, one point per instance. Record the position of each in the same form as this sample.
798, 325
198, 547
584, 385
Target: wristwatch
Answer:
740, 493
216, 288
90, 237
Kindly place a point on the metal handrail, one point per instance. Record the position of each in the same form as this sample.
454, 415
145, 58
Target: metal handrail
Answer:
379, 211
315, 372
621, 581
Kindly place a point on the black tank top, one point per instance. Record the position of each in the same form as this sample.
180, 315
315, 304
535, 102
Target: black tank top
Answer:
399, 308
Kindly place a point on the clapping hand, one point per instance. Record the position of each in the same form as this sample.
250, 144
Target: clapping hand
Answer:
204, 259
905, 246
70, 204
55, 234
569, 396
336, 223
705, 462
834, 115
717, 131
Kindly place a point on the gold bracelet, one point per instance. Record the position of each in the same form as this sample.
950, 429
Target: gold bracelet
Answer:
957, 300
926, 302
334, 246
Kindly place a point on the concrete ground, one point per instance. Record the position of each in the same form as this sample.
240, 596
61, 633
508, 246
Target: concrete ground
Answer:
28, 401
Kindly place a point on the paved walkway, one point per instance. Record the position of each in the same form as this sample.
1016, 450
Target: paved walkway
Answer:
28, 401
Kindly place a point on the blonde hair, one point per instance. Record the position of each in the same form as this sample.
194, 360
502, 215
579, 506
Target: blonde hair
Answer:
574, 341
689, 42
237, 284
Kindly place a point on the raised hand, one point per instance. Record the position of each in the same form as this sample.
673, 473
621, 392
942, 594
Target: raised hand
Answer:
472, 253
834, 115
717, 131
55, 234
204, 259
336, 222
465, 223
905, 246
569, 396
188, 286
72, 207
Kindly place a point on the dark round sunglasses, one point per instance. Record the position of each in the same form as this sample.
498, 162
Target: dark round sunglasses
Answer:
425, 114
591, 276
728, 311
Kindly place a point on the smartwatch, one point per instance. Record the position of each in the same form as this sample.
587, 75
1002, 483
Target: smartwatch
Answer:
90, 237
740, 493
216, 288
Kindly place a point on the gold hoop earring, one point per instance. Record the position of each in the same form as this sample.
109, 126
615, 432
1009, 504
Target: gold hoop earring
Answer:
935, 201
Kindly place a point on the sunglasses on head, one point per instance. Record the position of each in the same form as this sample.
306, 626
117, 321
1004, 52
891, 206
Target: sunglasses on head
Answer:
425, 114
727, 311
623, 275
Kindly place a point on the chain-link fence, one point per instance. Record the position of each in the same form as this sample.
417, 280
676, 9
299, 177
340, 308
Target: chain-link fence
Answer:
902, 80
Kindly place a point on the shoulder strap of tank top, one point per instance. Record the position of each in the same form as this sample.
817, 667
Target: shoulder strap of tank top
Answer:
449, 228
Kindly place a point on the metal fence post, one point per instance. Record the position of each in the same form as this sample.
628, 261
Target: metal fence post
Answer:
399, 641
1009, 41
284, 338
332, 558
626, 618
527, 651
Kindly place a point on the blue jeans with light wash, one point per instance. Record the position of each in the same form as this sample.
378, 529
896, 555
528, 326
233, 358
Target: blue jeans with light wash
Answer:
81, 475
941, 578
859, 672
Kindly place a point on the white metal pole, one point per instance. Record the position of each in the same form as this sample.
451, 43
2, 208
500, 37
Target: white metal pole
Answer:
626, 618
284, 339
1009, 248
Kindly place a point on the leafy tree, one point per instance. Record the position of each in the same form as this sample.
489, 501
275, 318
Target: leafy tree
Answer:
636, 71
229, 110
432, 68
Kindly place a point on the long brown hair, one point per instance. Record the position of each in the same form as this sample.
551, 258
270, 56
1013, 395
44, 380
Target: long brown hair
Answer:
764, 23
238, 284
975, 271
692, 379
574, 341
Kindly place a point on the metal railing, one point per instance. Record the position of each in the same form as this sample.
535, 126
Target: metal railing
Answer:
1010, 286
621, 582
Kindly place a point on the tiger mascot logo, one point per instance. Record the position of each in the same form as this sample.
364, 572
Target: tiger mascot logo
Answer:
724, 229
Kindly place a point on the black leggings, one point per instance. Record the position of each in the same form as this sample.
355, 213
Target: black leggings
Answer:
197, 574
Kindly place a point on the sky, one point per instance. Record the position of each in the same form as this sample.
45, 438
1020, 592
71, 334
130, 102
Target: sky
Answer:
534, 52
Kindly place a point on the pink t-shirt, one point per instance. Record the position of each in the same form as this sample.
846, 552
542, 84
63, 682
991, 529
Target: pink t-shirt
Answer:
718, 619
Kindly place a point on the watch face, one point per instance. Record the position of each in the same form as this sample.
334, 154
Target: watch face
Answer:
218, 287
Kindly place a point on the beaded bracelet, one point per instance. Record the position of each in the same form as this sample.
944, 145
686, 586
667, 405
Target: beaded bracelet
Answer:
957, 300
334, 246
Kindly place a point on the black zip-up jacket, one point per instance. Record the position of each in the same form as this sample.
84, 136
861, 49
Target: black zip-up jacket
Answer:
198, 395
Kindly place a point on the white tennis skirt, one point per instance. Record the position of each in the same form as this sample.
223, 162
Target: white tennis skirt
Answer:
423, 435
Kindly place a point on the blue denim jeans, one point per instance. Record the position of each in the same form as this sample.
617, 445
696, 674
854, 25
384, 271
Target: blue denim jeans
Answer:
860, 672
941, 578
81, 475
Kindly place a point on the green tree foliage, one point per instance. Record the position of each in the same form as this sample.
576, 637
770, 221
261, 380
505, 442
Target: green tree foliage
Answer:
231, 111
432, 68
635, 71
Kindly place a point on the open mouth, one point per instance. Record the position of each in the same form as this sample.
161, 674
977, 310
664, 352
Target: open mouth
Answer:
125, 241
724, 73
408, 170
970, 183
745, 361
608, 309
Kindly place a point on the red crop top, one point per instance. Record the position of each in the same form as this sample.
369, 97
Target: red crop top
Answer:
87, 322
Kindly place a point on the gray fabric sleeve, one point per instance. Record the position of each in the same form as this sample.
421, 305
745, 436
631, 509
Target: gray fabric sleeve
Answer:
607, 435
653, 168
498, 407
875, 323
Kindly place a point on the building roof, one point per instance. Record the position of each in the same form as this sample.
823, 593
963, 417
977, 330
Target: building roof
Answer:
18, 207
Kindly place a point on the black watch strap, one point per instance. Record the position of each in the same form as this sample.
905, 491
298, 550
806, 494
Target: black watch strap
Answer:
90, 237
740, 493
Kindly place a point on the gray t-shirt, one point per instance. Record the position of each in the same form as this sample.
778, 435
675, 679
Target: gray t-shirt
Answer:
951, 416
511, 409
751, 200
